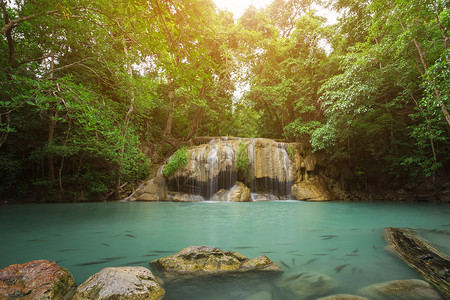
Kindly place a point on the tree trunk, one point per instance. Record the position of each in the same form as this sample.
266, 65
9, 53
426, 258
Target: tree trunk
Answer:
7, 31
51, 128
420, 255
126, 124
51, 131
169, 118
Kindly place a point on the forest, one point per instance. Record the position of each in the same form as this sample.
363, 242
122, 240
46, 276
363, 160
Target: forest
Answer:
96, 94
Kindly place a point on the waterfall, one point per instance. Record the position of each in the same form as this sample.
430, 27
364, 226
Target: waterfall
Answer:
211, 168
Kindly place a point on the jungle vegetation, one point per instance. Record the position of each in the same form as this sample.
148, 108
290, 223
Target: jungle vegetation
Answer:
93, 94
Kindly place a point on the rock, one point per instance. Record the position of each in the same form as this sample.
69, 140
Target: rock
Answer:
239, 193
401, 289
262, 295
307, 285
152, 190
263, 197
182, 197
310, 162
221, 195
204, 261
314, 189
213, 164
38, 279
120, 283
343, 297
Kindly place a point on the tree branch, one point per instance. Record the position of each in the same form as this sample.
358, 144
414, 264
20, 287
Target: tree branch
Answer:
68, 66
14, 23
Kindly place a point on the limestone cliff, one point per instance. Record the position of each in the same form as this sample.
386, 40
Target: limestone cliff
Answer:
280, 170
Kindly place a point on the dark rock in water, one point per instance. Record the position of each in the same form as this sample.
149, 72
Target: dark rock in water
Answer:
343, 297
121, 283
308, 285
204, 261
39, 279
413, 289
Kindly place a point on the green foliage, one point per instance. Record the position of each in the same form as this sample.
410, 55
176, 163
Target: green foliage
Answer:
178, 161
291, 151
242, 162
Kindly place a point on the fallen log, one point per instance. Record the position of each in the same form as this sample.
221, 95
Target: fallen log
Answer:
429, 262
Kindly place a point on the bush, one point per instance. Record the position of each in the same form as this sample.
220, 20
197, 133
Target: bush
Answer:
178, 161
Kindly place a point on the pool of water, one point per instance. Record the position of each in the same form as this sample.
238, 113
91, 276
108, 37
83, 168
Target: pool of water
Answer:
299, 236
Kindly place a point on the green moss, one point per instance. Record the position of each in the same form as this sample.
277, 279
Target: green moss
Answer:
291, 151
242, 161
178, 161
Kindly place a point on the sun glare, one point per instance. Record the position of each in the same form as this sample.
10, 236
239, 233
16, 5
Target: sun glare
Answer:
238, 7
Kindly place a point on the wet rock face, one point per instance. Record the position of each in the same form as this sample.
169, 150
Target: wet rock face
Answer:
240, 193
204, 261
120, 283
211, 167
308, 285
314, 189
413, 289
39, 279
152, 190
273, 169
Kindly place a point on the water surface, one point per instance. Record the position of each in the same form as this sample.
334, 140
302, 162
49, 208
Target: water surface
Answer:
305, 236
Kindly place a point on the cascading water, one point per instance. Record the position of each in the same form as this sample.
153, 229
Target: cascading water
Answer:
211, 168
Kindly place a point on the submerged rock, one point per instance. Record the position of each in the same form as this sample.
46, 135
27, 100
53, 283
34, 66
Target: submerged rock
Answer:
203, 261
239, 193
314, 189
120, 283
38, 279
413, 289
307, 285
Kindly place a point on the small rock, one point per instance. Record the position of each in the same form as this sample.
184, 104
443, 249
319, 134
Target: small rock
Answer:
264, 197
401, 289
343, 297
120, 283
182, 197
221, 195
307, 285
200, 261
38, 279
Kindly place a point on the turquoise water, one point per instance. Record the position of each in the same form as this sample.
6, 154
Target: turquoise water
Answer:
305, 236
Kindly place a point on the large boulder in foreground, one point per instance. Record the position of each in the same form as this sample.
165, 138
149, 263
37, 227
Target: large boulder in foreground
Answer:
121, 283
204, 261
314, 189
239, 193
308, 285
38, 279
413, 289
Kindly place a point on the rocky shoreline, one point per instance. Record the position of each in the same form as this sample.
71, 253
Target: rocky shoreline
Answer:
42, 279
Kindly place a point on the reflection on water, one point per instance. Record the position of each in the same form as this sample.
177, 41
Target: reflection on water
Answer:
341, 240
